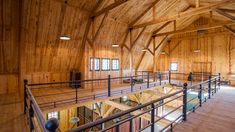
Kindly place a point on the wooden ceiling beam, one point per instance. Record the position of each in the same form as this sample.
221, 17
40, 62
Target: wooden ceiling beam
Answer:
226, 15
190, 13
143, 13
134, 42
227, 10
109, 7
193, 30
161, 43
232, 31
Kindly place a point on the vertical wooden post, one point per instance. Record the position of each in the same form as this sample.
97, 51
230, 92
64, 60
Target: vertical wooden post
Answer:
200, 95
25, 95
185, 102
209, 87
117, 128
109, 86
76, 95
152, 117
154, 58
130, 51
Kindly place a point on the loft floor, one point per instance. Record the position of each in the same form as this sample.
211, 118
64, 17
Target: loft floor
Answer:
217, 115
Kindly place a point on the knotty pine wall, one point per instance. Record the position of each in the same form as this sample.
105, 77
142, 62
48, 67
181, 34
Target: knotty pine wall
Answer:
216, 49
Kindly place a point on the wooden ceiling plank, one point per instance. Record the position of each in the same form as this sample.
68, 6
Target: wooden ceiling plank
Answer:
108, 8
194, 30
226, 15
190, 13
143, 13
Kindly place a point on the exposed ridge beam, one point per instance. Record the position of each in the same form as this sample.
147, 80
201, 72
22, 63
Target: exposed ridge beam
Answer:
190, 13
221, 12
109, 7
143, 13
232, 31
193, 30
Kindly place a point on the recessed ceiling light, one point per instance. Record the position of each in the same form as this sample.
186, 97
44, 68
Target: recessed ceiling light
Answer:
64, 38
115, 45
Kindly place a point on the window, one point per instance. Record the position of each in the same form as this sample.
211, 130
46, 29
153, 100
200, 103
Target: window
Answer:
115, 64
174, 66
105, 64
97, 64
53, 115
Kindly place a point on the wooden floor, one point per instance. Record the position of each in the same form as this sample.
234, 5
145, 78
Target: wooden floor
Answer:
12, 118
216, 115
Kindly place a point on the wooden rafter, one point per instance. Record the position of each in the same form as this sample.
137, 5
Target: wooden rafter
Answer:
89, 22
194, 30
193, 12
175, 47
161, 42
228, 10
108, 8
134, 42
143, 13
232, 31
223, 13
142, 55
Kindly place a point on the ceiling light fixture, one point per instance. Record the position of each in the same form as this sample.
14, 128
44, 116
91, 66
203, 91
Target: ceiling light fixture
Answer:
115, 45
163, 52
144, 50
64, 38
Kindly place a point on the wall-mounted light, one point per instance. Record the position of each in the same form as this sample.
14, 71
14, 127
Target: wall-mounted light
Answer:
115, 45
163, 52
197, 51
64, 38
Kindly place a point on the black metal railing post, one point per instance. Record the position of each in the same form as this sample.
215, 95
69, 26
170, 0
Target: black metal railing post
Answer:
185, 102
31, 114
148, 81
152, 117
76, 94
109, 86
131, 81
209, 87
215, 83
169, 76
200, 95
160, 77
219, 81
25, 95
130, 130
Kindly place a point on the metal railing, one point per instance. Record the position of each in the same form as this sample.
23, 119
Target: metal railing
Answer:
32, 108
155, 104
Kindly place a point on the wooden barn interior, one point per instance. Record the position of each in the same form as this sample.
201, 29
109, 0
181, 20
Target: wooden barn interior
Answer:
117, 65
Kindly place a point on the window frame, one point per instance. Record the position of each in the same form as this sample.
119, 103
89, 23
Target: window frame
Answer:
91, 66
117, 66
58, 113
107, 63
177, 66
